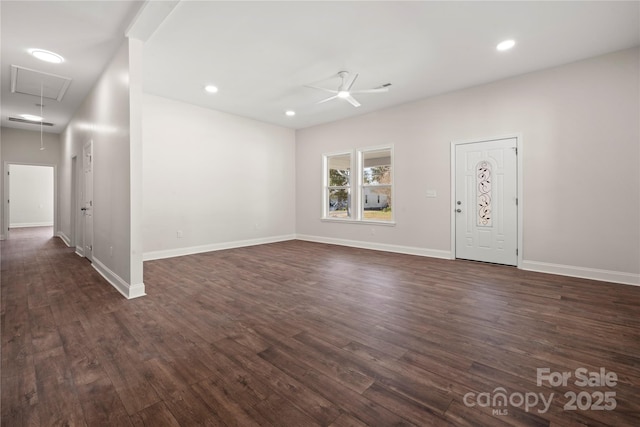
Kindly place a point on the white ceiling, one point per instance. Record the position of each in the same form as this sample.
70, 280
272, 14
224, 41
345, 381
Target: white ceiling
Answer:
262, 54
85, 33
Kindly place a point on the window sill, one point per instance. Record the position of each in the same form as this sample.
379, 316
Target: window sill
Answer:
364, 221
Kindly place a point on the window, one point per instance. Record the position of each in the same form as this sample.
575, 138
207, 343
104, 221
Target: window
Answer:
338, 186
369, 191
376, 184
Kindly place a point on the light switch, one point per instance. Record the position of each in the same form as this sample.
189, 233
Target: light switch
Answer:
431, 193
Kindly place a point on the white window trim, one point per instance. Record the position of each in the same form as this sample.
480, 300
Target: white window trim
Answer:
360, 182
359, 221
356, 186
325, 184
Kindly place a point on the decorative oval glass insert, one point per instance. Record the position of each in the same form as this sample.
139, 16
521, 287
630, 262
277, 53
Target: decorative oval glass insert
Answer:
483, 182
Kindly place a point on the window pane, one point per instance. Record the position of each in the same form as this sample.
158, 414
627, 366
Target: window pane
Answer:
339, 170
376, 167
339, 203
377, 203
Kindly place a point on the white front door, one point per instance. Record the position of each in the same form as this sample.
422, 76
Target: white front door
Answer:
486, 210
87, 202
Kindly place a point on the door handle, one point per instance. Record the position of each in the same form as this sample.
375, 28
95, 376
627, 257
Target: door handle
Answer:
458, 210
83, 209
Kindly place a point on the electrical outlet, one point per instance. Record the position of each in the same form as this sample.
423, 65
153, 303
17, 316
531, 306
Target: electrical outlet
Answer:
373, 231
110, 250
179, 234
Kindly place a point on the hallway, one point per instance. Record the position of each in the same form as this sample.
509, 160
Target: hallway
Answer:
48, 292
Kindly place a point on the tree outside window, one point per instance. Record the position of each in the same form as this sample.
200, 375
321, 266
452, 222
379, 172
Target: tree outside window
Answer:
339, 186
369, 190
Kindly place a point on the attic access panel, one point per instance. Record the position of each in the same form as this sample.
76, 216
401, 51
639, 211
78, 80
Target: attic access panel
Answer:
30, 82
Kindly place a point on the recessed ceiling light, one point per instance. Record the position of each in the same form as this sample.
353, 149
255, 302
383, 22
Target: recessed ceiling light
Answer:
290, 113
211, 89
45, 55
506, 45
31, 117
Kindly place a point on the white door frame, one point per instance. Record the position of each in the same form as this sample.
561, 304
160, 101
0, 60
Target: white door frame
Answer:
78, 224
87, 147
519, 145
7, 194
5, 202
74, 202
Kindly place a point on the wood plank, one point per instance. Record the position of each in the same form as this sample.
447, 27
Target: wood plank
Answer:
335, 366
58, 403
189, 410
298, 333
44, 331
155, 415
346, 420
408, 408
432, 392
127, 376
317, 407
223, 402
367, 411
278, 411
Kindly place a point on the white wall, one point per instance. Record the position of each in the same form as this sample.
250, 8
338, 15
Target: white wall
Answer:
580, 124
104, 118
31, 195
220, 179
23, 147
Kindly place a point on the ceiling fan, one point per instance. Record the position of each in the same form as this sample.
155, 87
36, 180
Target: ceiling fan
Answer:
344, 90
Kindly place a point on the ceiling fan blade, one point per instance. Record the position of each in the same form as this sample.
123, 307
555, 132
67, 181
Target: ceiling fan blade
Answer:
322, 89
350, 84
352, 101
327, 99
376, 90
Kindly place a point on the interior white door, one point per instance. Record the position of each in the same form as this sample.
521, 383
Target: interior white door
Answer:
486, 204
87, 202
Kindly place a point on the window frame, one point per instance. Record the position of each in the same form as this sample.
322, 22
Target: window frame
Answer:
361, 185
326, 187
356, 185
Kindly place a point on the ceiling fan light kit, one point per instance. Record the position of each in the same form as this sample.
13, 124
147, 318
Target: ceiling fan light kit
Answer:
344, 90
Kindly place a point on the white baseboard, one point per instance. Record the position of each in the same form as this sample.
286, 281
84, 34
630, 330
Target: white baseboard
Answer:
541, 267
408, 250
129, 291
582, 272
171, 253
31, 224
64, 238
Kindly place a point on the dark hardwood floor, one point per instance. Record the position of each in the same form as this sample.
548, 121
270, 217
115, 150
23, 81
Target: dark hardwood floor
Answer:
303, 334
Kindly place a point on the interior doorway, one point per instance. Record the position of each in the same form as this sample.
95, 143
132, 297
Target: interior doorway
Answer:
31, 197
